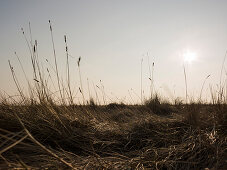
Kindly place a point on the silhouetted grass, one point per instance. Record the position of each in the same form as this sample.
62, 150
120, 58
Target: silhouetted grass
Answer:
38, 131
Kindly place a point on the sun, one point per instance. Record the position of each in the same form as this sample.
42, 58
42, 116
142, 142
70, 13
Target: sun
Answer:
189, 56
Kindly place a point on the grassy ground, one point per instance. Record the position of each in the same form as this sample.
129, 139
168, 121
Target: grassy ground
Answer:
154, 136
38, 133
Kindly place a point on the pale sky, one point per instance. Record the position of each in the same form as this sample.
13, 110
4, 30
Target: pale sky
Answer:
112, 36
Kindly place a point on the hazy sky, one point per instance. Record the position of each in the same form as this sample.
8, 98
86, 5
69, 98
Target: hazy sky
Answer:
112, 36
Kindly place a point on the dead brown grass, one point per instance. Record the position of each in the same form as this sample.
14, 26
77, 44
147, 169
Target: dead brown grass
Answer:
44, 131
128, 137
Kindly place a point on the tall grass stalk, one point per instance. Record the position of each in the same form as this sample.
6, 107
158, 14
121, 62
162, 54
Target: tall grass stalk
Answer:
153, 90
150, 77
29, 85
49, 76
55, 61
141, 81
31, 54
89, 92
40, 84
30, 31
186, 85
226, 87
131, 97
16, 82
68, 72
96, 94
103, 92
81, 85
221, 86
200, 95
212, 93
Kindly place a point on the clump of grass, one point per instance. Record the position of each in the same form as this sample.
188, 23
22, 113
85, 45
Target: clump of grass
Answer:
192, 114
157, 106
116, 106
92, 103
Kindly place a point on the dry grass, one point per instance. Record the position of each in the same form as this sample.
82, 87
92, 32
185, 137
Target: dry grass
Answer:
39, 131
113, 137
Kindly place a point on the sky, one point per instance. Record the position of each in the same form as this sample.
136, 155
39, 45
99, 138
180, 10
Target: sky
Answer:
113, 37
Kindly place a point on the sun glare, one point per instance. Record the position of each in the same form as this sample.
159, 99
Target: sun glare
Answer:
189, 56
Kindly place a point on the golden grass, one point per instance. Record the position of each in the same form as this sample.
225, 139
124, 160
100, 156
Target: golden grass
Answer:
113, 137
38, 131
